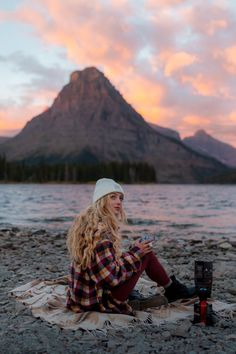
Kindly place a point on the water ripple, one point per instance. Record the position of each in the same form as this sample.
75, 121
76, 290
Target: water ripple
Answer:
171, 210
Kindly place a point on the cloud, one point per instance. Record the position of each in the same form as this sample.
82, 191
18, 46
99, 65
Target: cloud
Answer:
232, 116
176, 61
39, 76
204, 86
173, 60
13, 116
36, 92
230, 59
95, 31
214, 26
196, 120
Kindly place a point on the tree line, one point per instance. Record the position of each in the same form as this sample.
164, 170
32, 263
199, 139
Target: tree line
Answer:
225, 178
43, 172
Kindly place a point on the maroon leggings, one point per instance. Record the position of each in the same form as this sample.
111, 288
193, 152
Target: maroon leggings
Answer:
153, 269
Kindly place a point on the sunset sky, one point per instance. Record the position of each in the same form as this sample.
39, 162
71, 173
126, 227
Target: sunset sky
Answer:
173, 60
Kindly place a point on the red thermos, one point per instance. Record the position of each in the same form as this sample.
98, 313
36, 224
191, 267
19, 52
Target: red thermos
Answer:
203, 310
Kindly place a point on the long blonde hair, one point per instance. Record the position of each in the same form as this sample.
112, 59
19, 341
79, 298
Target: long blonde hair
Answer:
89, 227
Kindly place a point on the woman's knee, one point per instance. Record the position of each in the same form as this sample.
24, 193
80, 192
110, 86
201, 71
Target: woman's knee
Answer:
149, 257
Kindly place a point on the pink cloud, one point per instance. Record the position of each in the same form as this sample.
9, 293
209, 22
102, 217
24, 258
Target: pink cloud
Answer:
176, 61
173, 60
13, 116
215, 25
144, 94
153, 4
232, 116
230, 59
202, 85
196, 120
88, 39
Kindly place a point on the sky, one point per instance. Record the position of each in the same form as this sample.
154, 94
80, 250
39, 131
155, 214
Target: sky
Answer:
174, 61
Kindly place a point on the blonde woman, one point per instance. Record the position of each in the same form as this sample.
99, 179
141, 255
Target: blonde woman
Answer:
101, 276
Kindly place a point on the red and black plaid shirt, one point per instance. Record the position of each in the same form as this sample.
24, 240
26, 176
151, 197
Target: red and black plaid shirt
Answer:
90, 289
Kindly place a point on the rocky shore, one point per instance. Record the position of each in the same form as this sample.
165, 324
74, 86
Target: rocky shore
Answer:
26, 255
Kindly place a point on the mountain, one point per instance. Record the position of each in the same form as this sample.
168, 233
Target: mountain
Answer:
3, 139
90, 122
170, 133
206, 144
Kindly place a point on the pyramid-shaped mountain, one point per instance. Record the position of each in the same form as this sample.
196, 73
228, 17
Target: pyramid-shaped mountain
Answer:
91, 122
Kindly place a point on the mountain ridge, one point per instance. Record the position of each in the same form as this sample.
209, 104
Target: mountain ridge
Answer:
168, 132
89, 121
203, 142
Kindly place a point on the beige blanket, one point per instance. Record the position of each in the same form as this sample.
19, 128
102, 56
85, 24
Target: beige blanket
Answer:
46, 300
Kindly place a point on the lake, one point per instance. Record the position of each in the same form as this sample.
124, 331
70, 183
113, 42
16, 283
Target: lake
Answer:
173, 210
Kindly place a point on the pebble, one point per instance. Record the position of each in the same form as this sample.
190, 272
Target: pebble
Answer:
182, 330
231, 337
232, 291
43, 254
166, 334
39, 232
224, 324
225, 245
53, 268
205, 344
6, 245
19, 307
233, 243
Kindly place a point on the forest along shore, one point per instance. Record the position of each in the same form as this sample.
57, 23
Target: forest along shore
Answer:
27, 255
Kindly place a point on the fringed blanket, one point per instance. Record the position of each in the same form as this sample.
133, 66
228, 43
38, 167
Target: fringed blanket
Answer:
46, 299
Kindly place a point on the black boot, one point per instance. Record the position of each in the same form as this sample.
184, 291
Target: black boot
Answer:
178, 290
148, 302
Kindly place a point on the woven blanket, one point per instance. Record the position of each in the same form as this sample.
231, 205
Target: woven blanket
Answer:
47, 299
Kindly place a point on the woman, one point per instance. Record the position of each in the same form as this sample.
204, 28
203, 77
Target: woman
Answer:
101, 276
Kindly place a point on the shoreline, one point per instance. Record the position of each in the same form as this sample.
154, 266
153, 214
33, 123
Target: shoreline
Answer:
28, 254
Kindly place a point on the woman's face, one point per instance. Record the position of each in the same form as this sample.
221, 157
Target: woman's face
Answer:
114, 203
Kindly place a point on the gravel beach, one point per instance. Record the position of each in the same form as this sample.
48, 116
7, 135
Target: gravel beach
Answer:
26, 255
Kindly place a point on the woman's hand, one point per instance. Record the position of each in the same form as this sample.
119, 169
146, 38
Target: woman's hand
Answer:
145, 246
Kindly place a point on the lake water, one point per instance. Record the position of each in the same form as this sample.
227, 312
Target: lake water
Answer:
172, 210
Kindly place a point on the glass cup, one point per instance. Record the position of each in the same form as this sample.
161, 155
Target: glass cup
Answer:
148, 238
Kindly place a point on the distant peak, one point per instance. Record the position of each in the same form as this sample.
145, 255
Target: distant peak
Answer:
201, 132
90, 73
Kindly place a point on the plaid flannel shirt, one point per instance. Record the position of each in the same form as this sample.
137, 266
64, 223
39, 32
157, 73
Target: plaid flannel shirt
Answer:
90, 289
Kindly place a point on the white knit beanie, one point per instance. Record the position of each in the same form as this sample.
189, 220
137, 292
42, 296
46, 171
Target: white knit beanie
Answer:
105, 186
